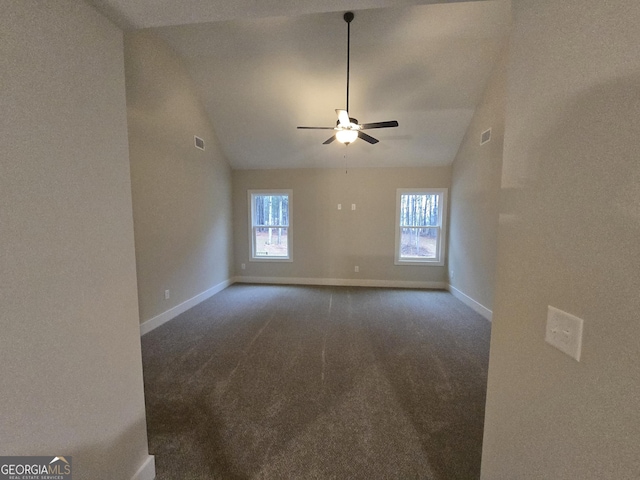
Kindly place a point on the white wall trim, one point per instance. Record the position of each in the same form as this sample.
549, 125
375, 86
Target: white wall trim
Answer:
470, 302
340, 282
147, 470
172, 313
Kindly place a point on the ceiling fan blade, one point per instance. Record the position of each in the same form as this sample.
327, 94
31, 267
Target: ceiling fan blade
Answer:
392, 123
329, 140
343, 117
367, 138
316, 128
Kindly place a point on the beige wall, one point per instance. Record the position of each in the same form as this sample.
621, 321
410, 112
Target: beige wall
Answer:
568, 237
70, 364
475, 197
328, 243
181, 195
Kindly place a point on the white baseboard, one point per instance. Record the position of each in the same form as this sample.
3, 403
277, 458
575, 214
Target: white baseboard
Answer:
342, 282
147, 470
470, 302
172, 313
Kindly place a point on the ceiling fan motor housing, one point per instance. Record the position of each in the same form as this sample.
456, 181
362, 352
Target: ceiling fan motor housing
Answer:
352, 120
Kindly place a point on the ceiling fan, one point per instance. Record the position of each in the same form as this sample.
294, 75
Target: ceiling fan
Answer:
348, 130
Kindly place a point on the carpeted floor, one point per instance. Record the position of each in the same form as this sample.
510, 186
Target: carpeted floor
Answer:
297, 382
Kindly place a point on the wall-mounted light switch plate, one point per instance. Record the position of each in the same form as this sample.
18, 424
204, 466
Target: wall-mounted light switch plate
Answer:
564, 331
167, 294
339, 206
353, 206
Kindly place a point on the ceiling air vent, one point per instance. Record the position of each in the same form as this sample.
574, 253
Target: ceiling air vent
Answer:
485, 137
199, 142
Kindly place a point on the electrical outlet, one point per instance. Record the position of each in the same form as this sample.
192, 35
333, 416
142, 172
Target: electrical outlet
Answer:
243, 266
564, 331
167, 294
451, 275
353, 206
357, 269
339, 206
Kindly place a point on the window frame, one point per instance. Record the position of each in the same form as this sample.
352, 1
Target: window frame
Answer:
251, 194
441, 243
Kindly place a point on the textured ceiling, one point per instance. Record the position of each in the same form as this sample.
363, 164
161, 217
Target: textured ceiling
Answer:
266, 71
133, 14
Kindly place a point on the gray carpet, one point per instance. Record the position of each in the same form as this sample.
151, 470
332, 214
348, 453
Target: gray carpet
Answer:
279, 382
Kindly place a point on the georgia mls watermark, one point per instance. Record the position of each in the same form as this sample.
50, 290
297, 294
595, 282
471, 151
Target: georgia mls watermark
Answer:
35, 468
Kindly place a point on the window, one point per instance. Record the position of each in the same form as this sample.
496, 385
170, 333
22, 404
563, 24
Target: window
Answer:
420, 226
270, 213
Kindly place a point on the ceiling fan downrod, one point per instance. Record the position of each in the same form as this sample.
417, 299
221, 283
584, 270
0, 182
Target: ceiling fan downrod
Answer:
348, 17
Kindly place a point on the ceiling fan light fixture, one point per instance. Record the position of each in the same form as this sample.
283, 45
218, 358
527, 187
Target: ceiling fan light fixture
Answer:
347, 136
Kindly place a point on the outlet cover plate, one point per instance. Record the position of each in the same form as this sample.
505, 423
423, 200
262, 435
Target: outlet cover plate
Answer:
564, 331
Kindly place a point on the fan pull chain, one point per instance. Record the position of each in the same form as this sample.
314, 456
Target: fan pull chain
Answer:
346, 166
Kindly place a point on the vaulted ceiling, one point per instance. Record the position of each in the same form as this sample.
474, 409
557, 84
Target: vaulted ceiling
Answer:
263, 68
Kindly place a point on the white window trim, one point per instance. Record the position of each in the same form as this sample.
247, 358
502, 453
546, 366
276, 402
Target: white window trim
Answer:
252, 252
442, 238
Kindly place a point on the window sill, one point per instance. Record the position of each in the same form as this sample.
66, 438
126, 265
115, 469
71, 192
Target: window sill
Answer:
424, 263
270, 259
